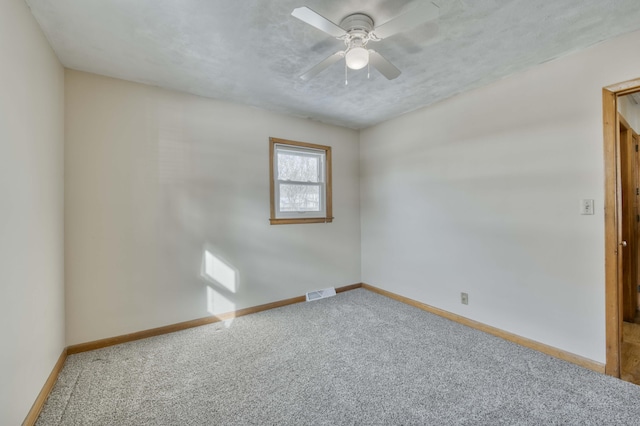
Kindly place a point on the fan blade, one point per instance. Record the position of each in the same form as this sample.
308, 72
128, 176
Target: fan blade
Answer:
426, 12
385, 67
322, 65
316, 20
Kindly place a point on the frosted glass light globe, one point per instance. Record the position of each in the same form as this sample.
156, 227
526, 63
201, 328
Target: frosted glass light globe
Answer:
357, 58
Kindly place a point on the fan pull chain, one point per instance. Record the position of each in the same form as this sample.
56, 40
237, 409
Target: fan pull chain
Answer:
368, 70
346, 78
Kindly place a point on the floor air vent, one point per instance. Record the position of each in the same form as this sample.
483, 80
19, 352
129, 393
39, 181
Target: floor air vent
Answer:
321, 294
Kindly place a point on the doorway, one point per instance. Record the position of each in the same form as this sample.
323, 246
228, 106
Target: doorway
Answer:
622, 224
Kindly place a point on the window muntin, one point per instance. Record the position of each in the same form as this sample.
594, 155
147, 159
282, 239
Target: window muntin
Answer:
300, 182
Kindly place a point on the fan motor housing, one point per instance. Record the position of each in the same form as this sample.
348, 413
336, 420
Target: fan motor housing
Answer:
358, 22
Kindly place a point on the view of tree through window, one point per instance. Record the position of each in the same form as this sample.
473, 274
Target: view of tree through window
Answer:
302, 174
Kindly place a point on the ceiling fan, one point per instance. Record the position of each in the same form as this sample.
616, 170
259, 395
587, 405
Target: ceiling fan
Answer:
357, 30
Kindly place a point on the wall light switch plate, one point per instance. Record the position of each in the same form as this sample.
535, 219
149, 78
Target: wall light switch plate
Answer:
586, 207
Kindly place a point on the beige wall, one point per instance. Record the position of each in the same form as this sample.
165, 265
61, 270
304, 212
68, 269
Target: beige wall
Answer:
480, 194
31, 210
155, 179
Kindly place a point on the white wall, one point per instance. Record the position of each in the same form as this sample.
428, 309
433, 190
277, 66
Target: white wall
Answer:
155, 179
480, 194
31, 211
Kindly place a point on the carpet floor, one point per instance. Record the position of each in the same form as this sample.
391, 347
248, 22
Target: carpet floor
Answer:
355, 359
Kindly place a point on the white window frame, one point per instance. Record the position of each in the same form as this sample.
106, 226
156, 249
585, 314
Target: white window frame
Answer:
323, 153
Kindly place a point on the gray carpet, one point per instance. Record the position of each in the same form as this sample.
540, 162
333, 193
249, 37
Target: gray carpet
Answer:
354, 359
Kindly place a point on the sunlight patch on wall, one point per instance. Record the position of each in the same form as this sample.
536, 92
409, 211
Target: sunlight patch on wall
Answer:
218, 304
218, 271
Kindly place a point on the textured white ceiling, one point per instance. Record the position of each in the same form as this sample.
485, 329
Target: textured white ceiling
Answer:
252, 51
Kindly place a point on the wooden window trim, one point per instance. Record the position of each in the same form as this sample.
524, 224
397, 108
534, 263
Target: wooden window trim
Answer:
328, 217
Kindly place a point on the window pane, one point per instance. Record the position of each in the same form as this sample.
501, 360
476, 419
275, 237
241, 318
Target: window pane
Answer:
299, 198
298, 167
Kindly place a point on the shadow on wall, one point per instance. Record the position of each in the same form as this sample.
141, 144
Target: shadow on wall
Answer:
222, 284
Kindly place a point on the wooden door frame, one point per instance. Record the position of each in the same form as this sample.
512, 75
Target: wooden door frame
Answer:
612, 220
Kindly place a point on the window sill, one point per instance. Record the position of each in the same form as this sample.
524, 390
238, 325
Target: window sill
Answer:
291, 221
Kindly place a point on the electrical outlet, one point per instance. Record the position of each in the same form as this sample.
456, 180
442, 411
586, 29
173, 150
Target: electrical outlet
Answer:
464, 298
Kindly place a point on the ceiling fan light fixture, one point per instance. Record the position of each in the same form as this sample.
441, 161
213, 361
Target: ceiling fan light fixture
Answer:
357, 58
356, 30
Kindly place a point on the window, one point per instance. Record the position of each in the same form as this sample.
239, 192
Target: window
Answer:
300, 182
